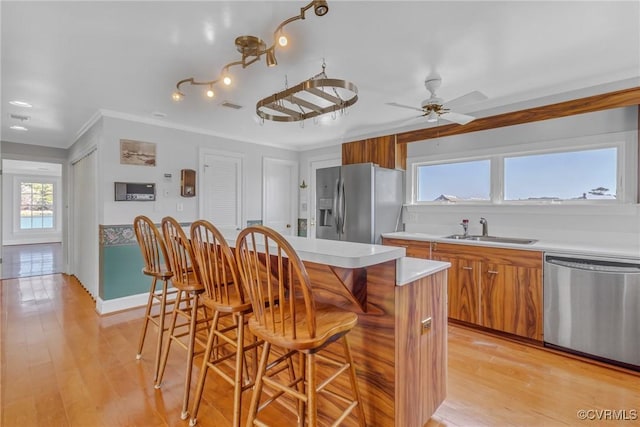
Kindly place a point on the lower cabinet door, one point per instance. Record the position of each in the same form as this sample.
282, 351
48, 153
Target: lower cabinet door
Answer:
511, 299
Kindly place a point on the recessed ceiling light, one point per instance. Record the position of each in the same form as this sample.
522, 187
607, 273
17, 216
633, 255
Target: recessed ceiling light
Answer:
20, 128
20, 104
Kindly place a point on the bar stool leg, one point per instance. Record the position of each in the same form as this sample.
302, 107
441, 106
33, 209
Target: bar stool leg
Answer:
147, 314
239, 377
190, 349
172, 326
161, 319
354, 381
257, 390
203, 372
312, 404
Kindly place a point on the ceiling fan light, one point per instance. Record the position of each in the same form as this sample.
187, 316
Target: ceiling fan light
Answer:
432, 117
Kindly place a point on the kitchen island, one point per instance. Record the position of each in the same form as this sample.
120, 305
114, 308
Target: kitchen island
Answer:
400, 342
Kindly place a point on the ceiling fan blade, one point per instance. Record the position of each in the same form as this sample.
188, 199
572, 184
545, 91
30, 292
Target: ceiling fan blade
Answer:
461, 119
394, 104
469, 98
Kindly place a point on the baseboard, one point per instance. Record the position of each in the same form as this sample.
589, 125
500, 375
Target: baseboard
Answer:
119, 304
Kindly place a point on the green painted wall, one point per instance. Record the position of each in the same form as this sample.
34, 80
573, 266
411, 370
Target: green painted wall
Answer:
121, 272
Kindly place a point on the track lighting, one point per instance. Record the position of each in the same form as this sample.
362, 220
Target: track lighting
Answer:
320, 7
271, 58
252, 48
282, 40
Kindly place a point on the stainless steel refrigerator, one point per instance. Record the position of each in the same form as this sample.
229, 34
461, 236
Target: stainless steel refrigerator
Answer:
357, 203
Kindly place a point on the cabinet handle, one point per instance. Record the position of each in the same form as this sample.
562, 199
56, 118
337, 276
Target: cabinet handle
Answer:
492, 272
467, 268
426, 325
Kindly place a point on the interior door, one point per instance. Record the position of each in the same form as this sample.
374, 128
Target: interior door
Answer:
85, 222
221, 188
280, 195
1, 241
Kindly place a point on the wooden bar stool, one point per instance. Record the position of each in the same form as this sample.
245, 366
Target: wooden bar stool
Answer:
225, 296
156, 265
293, 322
187, 305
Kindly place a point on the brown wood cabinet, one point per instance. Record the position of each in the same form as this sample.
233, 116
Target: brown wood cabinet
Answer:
497, 288
421, 350
463, 287
383, 151
414, 248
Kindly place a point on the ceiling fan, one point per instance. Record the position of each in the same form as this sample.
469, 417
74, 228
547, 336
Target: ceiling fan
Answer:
434, 108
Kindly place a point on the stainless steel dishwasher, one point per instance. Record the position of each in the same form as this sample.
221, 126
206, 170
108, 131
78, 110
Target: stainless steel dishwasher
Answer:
592, 306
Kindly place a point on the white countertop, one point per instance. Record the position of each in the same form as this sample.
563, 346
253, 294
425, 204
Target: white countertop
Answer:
411, 269
332, 252
542, 246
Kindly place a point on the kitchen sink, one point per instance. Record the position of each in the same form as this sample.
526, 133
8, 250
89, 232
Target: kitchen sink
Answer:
496, 239
456, 236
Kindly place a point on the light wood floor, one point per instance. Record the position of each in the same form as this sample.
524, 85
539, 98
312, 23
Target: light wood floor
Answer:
63, 365
31, 260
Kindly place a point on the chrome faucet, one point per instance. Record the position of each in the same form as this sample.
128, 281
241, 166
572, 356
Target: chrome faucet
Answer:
465, 227
485, 226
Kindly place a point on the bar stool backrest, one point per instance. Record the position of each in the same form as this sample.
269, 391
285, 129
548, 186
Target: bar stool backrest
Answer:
216, 264
277, 283
180, 253
152, 246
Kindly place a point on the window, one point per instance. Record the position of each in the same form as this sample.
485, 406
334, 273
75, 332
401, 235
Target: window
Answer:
585, 170
452, 182
573, 175
36, 205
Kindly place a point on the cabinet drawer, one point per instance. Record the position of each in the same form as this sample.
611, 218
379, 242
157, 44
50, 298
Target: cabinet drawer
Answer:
415, 248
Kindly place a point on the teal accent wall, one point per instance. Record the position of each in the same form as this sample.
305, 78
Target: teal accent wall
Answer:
121, 272
121, 262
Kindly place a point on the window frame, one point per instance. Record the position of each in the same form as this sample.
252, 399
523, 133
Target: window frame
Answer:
17, 190
415, 176
626, 174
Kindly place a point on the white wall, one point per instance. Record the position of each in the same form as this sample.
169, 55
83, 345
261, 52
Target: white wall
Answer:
175, 150
613, 226
36, 153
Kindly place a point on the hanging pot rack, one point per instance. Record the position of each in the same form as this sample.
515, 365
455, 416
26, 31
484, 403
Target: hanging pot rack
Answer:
311, 98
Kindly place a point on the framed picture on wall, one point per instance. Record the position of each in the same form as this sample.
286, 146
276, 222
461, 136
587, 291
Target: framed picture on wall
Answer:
137, 153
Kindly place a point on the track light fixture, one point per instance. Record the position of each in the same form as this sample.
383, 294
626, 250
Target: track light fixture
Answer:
252, 48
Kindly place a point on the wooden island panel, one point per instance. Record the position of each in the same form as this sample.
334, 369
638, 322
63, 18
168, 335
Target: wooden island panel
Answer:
401, 371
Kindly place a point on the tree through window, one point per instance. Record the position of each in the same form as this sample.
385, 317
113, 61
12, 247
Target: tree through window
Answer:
36, 205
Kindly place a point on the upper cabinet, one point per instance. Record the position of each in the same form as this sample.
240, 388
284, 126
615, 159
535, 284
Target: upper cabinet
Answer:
383, 151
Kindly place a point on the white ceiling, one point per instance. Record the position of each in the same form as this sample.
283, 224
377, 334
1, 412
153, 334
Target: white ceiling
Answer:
73, 60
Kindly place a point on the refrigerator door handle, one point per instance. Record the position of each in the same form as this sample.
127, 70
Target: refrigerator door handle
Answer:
336, 197
343, 207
